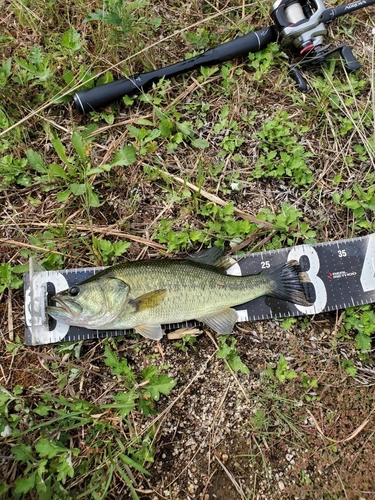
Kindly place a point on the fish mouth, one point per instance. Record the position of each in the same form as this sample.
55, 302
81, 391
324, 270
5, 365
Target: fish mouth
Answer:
62, 305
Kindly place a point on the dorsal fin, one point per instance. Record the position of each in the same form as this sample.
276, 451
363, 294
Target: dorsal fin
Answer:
213, 256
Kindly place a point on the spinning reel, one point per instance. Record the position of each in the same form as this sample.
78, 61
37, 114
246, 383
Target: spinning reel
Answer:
301, 26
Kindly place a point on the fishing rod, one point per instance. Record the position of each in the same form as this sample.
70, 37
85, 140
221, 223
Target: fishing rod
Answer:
299, 26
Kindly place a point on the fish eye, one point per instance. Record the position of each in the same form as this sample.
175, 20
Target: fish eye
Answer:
74, 291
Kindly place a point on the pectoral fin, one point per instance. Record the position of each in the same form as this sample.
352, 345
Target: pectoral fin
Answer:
148, 300
151, 331
222, 322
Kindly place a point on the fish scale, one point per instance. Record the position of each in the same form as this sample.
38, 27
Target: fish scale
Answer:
189, 281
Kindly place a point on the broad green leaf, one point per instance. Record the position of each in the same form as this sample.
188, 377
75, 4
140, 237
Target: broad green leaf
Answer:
88, 131
166, 127
98, 15
22, 453
46, 448
199, 143
43, 409
71, 40
36, 161
93, 198
120, 247
60, 150
363, 342
353, 204
145, 406
57, 171
5, 71
25, 484
283, 372
144, 121
36, 55
224, 351
125, 402
186, 128
237, 365
336, 197
104, 245
68, 77
63, 196
3, 489
79, 146
119, 367
106, 78
77, 189
65, 467
5, 396
152, 135
110, 357
161, 385
5, 276
126, 156
94, 171
349, 367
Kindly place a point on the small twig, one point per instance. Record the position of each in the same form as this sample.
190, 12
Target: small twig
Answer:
338, 322
6, 241
119, 124
338, 441
182, 332
341, 482
3, 377
208, 480
10, 315
218, 201
233, 481
245, 243
264, 241
165, 412
95, 229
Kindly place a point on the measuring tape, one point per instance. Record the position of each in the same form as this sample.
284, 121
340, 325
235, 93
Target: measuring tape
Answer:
342, 274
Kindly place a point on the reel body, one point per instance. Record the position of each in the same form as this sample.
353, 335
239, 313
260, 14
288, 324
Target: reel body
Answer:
301, 25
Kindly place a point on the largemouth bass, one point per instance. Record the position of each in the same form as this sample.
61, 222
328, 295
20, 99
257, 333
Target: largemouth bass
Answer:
143, 295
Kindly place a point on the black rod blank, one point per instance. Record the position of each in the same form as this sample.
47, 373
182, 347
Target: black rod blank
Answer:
99, 97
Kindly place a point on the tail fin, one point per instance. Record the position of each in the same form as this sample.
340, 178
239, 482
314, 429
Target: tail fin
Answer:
288, 283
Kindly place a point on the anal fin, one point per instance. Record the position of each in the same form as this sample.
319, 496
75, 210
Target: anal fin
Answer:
152, 331
222, 322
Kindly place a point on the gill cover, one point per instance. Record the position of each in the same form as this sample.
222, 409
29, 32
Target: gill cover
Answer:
93, 303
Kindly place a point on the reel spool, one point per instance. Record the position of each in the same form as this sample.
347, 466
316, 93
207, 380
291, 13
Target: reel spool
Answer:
299, 23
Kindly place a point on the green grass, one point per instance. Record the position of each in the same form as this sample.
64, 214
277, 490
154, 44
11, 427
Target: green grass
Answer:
232, 156
44, 437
